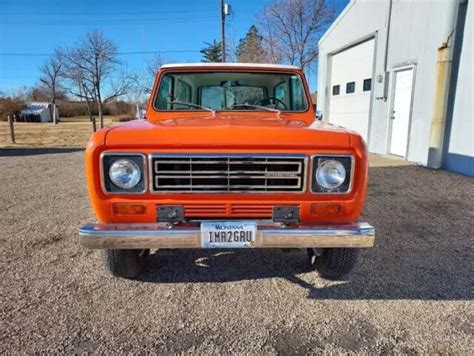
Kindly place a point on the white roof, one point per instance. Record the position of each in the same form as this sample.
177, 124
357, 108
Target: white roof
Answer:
35, 107
234, 65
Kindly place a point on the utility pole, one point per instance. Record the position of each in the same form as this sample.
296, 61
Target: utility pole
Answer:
225, 10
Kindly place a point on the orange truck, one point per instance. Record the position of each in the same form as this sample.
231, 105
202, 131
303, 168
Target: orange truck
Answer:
228, 156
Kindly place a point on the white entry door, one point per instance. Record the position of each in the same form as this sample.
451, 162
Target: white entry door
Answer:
401, 111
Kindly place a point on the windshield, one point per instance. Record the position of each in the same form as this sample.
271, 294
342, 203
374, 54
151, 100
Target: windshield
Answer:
231, 91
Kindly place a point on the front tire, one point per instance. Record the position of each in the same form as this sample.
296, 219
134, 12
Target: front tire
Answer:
333, 263
124, 263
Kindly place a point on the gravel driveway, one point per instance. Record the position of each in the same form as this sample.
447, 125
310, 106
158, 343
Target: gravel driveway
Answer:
413, 292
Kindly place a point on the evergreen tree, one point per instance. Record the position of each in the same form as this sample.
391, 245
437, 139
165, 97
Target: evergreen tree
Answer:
211, 53
250, 48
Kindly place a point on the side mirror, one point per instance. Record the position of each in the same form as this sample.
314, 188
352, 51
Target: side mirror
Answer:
319, 115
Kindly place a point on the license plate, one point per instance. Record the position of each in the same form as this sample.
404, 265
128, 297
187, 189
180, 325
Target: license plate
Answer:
235, 234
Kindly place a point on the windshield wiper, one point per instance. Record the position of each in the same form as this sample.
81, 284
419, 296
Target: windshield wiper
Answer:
278, 112
192, 105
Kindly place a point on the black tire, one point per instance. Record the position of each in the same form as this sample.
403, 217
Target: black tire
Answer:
333, 263
124, 263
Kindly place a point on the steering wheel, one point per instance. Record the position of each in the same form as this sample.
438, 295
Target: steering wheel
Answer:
271, 100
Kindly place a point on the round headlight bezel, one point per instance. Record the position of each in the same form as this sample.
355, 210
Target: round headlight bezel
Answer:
135, 173
330, 174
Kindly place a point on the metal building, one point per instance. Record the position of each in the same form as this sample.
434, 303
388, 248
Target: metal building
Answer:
39, 112
399, 72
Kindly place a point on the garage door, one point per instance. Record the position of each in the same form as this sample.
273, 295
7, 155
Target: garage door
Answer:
350, 87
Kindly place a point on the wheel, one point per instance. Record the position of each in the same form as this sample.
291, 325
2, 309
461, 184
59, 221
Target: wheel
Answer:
333, 263
124, 263
271, 100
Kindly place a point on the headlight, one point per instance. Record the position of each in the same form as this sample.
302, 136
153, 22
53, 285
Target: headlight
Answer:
124, 173
330, 174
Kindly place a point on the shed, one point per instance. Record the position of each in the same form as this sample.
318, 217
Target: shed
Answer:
39, 112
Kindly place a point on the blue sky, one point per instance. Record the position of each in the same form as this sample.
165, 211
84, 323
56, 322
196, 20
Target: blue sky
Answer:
30, 28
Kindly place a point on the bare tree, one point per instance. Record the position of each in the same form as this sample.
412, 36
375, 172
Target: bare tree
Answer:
51, 72
94, 65
22, 93
43, 93
270, 43
292, 28
154, 65
78, 86
140, 86
142, 82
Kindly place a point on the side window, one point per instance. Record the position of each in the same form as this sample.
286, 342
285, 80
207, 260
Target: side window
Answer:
182, 93
298, 94
335, 89
281, 92
164, 93
350, 87
367, 84
213, 97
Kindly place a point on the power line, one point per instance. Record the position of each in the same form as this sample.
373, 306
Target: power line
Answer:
61, 22
118, 53
107, 13
154, 52
18, 76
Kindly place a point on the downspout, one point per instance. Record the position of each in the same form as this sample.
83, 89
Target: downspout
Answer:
387, 42
442, 89
385, 77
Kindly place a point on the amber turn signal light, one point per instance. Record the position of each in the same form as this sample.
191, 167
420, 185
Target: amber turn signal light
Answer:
129, 209
326, 209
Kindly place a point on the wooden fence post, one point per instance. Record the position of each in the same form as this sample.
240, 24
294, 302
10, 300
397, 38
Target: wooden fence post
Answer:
12, 128
94, 124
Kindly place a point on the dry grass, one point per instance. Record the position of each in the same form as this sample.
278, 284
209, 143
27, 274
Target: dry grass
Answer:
70, 132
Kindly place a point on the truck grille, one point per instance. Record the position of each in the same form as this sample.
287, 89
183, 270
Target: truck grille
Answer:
230, 173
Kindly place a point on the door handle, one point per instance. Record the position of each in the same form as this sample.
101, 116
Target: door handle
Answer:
393, 115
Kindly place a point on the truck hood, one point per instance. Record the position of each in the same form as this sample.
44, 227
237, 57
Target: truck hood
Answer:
227, 132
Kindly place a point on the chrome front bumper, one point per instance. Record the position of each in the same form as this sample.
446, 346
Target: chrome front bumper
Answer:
155, 236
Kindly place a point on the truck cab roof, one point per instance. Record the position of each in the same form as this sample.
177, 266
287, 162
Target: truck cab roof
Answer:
230, 65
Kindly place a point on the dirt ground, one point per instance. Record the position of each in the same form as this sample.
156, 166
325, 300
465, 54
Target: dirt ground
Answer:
411, 293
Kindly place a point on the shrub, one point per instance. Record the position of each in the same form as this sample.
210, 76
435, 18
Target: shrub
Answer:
10, 106
121, 108
72, 108
79, 108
